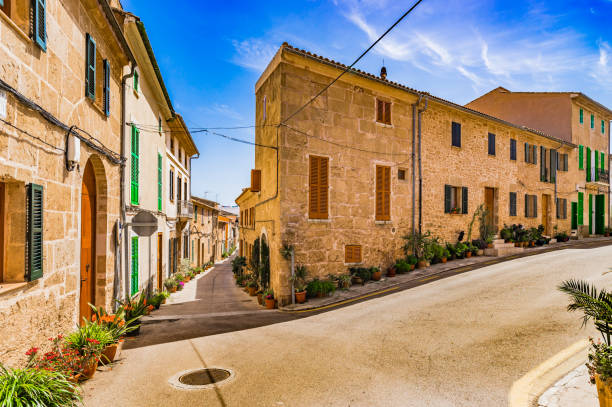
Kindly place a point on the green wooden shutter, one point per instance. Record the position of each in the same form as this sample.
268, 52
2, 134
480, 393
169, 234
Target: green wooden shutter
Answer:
134, 277
553, 166
136, 81
513, 149
574, 215
464, 200
603, 127
596, 165
588, 164
90, 67
603, 160
592, 121
135, 164
40, 23
526, 205
159, 182
600, 214
542, 163
527, 153
1, 3
106, 87
581, 157
581, 208
581, 116
34, 233
590, 214
535, 206
534, 154
447, 198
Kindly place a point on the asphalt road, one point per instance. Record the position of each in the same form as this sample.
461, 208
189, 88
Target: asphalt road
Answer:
457, 341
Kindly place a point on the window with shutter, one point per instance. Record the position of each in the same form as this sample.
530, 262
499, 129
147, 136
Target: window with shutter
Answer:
592, 121
318, 187
90, 67
596, 154
513, 149
171, 185
456, 134
603, 127
464, 200
40, 23
134, 274
447, 198
383, 193
527, 153
136, 80
159, 182
401, 174
34, 232
179, 186
491, 144
580, 157
588, 164
512, 203
581, 116
553, 166
352, 254
534, 154
106, 87
255, 180
383, 111
135, 166
581, 208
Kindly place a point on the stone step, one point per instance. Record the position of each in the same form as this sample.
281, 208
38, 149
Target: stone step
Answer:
498, 241
504, 251
502, 245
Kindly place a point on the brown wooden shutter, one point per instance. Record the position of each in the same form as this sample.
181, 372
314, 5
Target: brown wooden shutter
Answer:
379, 110
352, 253
255, 180
383, 193
387, 112
318, 186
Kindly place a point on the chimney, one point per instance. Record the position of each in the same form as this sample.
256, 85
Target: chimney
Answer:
383, 73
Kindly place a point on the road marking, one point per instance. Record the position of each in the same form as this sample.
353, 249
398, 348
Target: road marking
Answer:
428, 278
344, 302
538, 379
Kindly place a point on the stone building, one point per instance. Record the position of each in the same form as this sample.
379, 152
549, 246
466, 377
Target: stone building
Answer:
158, 147
61, 71
203, 231
370, 161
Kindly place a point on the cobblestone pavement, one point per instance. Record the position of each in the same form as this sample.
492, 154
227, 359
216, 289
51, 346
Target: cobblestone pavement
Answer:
573, 390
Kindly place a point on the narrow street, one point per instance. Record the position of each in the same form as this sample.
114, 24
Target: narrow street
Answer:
219, 306
459, 341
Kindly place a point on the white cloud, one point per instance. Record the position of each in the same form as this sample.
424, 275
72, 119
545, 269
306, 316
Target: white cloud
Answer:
253, 54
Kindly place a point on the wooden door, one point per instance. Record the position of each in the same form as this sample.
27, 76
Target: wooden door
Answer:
2, 217
490, 206
545, 207
88, 233
160, 250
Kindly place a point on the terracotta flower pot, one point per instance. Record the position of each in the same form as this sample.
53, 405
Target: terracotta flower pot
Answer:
443, 259
468, 255
252, 291
356, 280
376, 276
108, 354
604, 391
270, 303
490, 245
74, 378
163, 301
391, 272
300, 297
89, 369
412, 267
532, 243
173, 289
260, 299
422, 264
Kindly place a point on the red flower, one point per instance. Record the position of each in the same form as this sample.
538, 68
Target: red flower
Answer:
94, 341
31, 351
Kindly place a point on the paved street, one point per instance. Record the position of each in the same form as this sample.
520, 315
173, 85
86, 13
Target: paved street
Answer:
459, 341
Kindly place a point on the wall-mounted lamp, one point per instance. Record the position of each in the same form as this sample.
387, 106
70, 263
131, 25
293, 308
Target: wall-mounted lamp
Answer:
73, 151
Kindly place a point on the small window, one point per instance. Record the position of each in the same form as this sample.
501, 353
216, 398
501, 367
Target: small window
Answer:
592, 121
179, 185
531, 206
456, 135
401, 174
491, 144
19, 13
561, 208
581, 116
512, 203
255, 180
171, 185
352, 253
455, 199
383, 111
513, 149
562, 162
603, 127
531, 154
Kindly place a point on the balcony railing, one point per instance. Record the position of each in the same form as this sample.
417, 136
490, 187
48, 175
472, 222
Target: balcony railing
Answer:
184, 209
599, 175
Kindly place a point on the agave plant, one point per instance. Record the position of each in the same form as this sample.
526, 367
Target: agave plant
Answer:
595, 304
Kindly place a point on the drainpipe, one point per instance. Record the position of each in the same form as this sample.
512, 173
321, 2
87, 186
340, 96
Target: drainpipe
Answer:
122, 178
413, 155
421, 171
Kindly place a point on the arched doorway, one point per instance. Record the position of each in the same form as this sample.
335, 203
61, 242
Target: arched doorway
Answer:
88, 242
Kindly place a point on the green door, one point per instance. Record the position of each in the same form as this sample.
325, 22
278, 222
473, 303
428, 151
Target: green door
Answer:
574, 215
600, 214
590, 214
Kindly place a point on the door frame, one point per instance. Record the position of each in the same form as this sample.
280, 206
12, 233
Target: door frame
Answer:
160, 253
545, 219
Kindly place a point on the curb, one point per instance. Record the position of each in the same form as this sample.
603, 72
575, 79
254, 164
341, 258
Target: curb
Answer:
438, 274
526, 390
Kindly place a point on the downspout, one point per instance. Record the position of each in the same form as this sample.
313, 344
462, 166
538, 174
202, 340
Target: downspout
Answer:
421, 171
413, 155
122, 178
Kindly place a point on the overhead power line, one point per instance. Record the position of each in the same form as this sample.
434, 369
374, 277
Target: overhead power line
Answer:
348, 68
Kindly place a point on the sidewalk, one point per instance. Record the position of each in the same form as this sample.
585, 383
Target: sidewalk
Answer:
573, 390
432, 272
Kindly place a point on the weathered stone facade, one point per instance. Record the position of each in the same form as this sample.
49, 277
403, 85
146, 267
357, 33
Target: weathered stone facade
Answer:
32, 150
203, 231
342, 125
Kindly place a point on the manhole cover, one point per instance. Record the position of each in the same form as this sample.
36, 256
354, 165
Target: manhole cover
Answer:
203, 377
198, 379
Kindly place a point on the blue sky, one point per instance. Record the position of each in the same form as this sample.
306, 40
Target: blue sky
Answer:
211, 54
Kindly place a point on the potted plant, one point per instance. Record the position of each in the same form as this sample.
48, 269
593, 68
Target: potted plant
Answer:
313, 288
59, 358
421, 245
134, 309
375, 273
327, 287
412, 261
89, 340
252, 286
489, 241
299, 283
170, 284
269, 298
117, 327
345, 281
37, 387
596, 305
